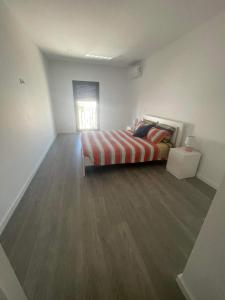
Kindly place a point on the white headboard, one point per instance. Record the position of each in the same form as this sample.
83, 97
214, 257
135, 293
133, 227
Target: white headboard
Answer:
178, 134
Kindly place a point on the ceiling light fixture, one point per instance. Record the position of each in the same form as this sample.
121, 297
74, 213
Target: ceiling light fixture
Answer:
99, 56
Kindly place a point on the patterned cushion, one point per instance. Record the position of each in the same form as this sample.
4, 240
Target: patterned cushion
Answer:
142, 131
140, 123
149, 122
157, 135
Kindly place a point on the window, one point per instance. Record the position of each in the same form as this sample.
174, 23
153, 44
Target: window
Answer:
86, 97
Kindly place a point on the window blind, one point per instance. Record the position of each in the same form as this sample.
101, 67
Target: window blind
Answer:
86, 90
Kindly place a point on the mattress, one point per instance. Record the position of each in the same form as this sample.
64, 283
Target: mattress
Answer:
110, 147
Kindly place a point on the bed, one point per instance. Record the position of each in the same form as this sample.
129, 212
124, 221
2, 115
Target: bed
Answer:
109, 147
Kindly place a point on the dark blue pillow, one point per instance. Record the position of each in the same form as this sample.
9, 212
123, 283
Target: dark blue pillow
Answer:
142, 131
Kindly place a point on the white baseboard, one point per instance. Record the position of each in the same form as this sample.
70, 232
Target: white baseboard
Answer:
207, 181
185, 291
22, 191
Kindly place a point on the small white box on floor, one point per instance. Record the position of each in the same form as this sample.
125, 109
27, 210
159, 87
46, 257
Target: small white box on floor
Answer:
182, 163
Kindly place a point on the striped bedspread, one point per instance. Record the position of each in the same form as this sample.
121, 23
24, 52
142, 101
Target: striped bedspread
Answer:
116, 147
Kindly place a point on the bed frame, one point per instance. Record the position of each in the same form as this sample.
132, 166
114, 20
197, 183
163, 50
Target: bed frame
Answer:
178, 134
176, 139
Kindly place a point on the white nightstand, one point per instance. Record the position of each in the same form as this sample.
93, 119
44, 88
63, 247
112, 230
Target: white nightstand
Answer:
183, 164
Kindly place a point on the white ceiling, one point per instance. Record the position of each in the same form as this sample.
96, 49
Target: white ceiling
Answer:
128, 30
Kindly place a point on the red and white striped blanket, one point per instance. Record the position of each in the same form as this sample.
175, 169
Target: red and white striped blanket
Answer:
116, 147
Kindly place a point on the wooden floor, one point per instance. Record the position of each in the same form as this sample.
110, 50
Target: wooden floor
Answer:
121, 232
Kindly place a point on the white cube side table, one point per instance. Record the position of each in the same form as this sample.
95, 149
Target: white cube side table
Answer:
183, 164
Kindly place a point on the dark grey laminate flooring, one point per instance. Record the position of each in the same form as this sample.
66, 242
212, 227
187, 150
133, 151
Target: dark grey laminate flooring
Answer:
122, 232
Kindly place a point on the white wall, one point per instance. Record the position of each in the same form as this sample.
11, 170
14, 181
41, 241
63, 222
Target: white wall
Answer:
204, 275
186, 81
115, 104
26, 122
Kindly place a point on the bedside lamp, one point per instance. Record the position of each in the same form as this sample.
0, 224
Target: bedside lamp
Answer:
189, 143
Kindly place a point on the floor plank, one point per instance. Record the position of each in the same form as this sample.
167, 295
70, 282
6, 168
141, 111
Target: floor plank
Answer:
121, 232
